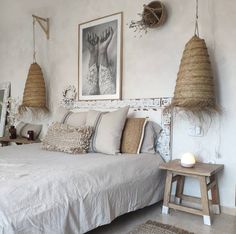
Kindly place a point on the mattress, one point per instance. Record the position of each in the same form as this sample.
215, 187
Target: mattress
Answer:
53, 192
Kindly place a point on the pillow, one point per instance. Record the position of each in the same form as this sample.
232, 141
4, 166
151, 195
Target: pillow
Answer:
23, 128
108, 131
151, 134
68, 139
76, 119
132, 137
92, 118
60, 114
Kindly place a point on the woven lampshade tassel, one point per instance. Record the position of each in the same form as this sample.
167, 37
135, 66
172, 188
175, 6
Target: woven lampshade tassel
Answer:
35, 91
194, 90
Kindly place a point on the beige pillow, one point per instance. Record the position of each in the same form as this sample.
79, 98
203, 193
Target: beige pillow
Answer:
132, 137
60, 114
76, 119
92, 118
68, 139
151, 134
23, 128
108, 131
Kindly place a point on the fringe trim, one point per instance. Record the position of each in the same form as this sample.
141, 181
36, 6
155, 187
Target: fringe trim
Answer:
33, 113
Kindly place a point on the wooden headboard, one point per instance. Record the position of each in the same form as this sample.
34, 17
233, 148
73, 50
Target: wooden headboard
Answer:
152, 108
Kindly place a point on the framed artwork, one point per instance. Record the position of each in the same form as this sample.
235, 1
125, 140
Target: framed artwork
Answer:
4, 95
100, 58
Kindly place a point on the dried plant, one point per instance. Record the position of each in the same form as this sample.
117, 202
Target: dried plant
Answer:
154, 15
12, 110
139, 26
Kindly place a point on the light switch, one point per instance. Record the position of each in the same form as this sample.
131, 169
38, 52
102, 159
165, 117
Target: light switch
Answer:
195, 131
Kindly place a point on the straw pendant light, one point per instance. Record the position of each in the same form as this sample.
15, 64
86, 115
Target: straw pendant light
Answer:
194, 91
34, 97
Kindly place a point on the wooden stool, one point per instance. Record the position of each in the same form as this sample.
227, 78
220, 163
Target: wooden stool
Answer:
203, 172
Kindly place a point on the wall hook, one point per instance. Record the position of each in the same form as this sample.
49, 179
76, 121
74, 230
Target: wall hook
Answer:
42, 21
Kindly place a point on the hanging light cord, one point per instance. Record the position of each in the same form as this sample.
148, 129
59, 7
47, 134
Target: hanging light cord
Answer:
196, 31
34, 50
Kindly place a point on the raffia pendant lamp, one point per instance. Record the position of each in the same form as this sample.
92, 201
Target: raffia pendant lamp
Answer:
35, 91
34, 97
194, 91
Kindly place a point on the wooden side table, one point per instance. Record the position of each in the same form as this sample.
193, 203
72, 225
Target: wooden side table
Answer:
19, 141
207, 176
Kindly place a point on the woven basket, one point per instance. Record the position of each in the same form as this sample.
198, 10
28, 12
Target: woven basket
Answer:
154, 14
194, 90
35, 92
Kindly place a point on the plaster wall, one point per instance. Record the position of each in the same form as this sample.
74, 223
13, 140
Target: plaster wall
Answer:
150, 63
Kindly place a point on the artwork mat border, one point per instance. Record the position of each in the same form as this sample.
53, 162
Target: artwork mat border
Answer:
6, 86
118, 95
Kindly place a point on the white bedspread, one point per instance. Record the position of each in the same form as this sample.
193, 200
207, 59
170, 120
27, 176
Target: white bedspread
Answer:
52, 193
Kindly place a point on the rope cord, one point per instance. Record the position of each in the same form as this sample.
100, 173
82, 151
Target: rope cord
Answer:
34, 49
196, 31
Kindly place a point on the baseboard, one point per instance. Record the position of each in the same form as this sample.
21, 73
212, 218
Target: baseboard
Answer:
228, 210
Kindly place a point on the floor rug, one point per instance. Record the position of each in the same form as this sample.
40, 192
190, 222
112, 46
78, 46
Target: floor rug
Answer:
152, 227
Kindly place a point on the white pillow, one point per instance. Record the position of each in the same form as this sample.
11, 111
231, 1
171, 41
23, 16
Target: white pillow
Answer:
108, 131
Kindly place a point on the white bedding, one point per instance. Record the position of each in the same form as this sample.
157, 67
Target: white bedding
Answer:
53, 193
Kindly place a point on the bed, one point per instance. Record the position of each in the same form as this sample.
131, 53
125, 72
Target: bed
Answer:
55, 192
43, 192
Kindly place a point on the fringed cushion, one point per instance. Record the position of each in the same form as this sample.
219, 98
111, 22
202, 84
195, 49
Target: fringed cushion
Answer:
68, 139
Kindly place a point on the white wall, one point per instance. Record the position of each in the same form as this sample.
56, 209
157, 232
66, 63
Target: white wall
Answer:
150, 63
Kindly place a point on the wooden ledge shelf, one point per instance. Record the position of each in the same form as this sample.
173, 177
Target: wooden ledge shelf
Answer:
19, 141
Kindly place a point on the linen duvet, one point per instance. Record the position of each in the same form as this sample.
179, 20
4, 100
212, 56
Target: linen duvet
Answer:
44, 192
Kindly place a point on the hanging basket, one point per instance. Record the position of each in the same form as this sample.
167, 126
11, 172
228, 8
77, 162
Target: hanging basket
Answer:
194, 90
154, 14
35, 92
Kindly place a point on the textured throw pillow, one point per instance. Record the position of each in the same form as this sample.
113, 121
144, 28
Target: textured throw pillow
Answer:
132, 137
68, 139
151, 134
23, 128
108, 131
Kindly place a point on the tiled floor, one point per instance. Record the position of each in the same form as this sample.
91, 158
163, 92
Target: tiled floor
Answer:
221, 224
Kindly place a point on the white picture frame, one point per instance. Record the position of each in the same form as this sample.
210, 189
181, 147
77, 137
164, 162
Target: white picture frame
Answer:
100, 58
4, 95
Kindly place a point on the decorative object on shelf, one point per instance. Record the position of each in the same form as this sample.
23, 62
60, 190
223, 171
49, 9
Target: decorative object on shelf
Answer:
23, 129
194, 90
12, 111
154, 15
69, 94
30, 135
4, 94
188, 160
163, 145
12, 115
34, 98
12, 131
100, 63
